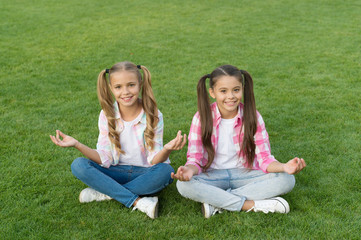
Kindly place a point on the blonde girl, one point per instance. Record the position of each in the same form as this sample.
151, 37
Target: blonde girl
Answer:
129, 164
229, 163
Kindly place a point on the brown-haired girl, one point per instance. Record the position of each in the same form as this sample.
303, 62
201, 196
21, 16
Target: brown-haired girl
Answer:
129, 163
229, 162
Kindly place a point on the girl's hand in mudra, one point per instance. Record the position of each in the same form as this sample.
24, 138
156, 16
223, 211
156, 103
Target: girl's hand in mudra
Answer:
184, 173
294, 166
177, 143
66, 141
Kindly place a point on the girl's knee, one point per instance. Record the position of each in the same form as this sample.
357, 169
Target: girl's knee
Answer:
166, 167
163, 168
163, 172
78, 166
288, 182
183, 187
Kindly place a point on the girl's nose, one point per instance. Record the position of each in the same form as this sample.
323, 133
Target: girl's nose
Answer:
230, 95
125, 90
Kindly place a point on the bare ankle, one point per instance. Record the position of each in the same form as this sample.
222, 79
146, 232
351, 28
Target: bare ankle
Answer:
248, 204
136, 201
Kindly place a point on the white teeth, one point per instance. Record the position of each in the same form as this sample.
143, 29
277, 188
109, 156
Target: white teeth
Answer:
126, 99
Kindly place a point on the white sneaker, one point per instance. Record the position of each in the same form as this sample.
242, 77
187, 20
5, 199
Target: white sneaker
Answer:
89, 195
209, 210
148, 205
278, 205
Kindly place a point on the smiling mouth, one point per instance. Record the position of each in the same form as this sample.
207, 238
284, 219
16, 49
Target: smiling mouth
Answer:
127, 99
231, 103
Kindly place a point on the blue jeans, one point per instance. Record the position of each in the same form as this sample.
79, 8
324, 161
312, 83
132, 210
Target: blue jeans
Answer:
123, 183
230, 188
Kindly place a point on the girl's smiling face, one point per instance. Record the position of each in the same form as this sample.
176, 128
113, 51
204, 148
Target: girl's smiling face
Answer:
228, 93
125, 87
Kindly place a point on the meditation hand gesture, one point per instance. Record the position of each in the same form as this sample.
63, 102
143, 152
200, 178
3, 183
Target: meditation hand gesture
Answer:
176, 143
184, 173
67, 141
294, 166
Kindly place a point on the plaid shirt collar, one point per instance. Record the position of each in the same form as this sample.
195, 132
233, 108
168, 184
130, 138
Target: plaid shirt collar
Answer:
141, 118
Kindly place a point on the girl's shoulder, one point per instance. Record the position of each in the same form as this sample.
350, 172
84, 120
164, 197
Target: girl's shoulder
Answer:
213, 106
102, 114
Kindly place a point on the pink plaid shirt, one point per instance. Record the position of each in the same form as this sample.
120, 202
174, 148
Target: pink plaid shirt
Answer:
197, 155
108, 154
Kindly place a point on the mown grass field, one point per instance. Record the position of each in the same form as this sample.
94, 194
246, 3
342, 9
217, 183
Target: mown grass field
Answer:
304, 57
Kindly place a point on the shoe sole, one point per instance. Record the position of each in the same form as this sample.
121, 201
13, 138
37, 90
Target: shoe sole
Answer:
204, 211
284, 204
156, 210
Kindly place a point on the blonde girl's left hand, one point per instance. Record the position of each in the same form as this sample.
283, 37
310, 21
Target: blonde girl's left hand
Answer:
294, 166
177, 143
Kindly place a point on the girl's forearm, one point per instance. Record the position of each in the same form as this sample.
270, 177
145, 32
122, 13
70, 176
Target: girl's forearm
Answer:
275, 167
88, 152
161, 156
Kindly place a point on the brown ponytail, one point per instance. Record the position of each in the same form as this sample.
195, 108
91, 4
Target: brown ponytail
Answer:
206, 119
249, 120
149, 104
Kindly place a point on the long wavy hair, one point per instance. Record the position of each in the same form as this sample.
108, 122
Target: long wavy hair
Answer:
106, 100
249, 119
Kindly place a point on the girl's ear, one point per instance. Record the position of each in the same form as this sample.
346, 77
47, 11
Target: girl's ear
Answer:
211, 92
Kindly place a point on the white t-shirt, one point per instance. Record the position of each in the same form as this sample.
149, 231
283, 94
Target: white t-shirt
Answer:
128, 141
226, 153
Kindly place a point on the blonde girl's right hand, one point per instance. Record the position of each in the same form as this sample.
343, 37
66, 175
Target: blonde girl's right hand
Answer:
66, 141
183, 174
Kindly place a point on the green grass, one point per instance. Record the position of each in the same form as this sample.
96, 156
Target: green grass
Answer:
304, 57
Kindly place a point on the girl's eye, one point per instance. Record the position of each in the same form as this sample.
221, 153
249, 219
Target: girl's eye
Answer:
223, 91
236, 90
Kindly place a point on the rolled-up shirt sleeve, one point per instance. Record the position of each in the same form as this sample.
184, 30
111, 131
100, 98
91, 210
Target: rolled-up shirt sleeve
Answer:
104, 146
263, 147
195, 146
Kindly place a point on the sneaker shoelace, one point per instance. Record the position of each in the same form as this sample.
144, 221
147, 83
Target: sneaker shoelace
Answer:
217, 210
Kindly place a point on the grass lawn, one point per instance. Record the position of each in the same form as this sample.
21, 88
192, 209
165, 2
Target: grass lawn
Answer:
304, 56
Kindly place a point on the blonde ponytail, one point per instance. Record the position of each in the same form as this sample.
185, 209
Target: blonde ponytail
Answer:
150, 108
106, 102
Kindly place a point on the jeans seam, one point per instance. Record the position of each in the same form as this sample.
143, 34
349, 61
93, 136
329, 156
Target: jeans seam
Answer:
131, 201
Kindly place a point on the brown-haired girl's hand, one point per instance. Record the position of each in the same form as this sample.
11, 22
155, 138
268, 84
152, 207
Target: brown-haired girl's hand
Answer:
294, 166
177, 143
184, 173
67, 141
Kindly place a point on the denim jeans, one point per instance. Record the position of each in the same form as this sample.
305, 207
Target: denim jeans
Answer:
230, 188
123, 183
